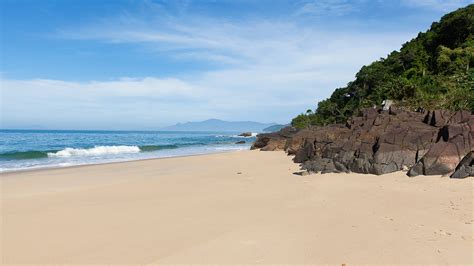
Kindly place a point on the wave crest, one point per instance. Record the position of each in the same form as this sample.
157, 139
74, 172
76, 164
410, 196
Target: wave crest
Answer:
97, 150
70, 152
22, 155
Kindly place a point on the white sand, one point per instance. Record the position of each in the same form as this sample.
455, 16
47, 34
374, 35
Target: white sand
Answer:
199, 210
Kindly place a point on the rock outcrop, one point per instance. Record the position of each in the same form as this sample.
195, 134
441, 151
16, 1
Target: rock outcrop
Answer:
454, 141
381, 141
466, 167
245, 134
274, 141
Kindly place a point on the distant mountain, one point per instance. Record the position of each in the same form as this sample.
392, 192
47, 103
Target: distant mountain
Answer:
274, 128
220, 125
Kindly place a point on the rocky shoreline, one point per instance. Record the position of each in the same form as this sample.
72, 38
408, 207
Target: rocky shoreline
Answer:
379, 141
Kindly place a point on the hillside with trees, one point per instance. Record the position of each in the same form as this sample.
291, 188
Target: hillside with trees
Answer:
435, 70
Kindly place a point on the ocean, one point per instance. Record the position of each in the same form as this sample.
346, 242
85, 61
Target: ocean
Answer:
34, 149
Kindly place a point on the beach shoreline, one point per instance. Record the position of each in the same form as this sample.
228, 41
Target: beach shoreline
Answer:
231, 207
49, 168
50, 149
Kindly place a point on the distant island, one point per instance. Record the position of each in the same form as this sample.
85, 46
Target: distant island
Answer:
221, 125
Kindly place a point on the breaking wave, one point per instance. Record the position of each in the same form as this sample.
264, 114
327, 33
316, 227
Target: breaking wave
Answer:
71, 152
98, 150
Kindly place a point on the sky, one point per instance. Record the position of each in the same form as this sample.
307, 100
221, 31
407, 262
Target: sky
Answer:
145, 64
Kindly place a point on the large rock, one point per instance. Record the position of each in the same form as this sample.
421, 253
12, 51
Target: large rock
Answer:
440, 118
245, 134
273, 141
454, 141
465, 168
381, 141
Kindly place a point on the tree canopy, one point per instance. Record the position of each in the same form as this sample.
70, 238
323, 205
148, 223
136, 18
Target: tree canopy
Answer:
435, 70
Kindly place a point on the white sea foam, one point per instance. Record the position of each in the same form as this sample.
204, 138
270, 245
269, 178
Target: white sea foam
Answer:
98, 150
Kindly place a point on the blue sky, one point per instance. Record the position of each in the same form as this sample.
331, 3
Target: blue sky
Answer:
133, 64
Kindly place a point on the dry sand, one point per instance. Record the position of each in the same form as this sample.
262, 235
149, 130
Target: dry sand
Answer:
241, 207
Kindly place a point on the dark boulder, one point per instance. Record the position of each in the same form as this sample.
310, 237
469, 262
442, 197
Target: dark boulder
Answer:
453, 143
245, 134
465, 168
240, 142
274, 141
379, 142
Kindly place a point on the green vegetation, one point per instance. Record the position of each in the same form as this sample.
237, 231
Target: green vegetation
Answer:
433, 71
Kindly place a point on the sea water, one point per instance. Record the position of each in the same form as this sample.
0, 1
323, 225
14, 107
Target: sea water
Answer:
33, 149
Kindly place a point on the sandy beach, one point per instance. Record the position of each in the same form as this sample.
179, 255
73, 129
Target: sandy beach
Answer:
239, 207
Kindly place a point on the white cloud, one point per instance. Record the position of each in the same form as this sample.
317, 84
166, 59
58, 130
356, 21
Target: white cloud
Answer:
327, 8
440, 5
120, 104
271, 71
252, 43
275, 78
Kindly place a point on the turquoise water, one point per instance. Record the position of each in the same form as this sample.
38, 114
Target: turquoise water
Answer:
32, 149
